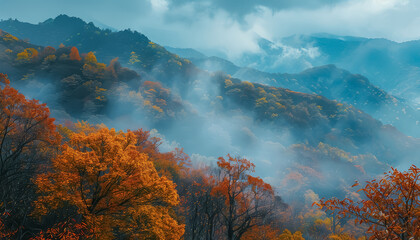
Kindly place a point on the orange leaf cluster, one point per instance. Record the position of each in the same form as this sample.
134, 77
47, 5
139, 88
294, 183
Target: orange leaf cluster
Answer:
391, 208
112, 185
74, 54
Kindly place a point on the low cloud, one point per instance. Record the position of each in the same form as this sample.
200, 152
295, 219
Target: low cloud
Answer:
233, 27
366, 18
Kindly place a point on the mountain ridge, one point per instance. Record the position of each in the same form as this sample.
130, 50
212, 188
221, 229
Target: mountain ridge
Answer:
214, 113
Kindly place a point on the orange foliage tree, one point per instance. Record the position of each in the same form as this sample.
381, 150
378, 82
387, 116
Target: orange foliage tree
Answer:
24, 124
156, 98
248, 200
5, 233
391, 208
74, 54
27, 138
68, 230
174, 165
264, 232
114, 187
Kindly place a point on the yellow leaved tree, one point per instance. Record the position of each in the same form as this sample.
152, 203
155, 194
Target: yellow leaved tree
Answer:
114, 187
92, 68
287, 235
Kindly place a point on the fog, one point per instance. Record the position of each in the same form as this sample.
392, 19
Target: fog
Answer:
307, 152
232, 27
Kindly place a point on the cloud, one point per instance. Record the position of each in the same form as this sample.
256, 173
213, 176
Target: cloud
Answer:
233, 27
366, 18
165, 144
201, 161
240, 8
208, 30
159, 5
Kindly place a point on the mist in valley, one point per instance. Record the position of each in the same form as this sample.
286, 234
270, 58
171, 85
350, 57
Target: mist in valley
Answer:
317, 114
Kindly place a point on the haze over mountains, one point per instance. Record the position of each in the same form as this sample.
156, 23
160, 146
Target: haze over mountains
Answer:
389, 65
281, 114
335, 83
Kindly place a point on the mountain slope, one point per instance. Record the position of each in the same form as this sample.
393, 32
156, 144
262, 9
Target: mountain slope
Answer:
333, 83
76, 87
390, 65
343, 86
132, 48
315, 119
214, 114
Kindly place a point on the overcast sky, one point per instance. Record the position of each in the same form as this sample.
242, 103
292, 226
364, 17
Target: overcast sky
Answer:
232, 26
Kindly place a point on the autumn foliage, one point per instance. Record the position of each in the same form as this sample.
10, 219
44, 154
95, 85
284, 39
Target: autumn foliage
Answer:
27, 55
82, 181
92, 68
27, 138
24, 125
69, 230
391, 208
114, 187
247, 198
74, 54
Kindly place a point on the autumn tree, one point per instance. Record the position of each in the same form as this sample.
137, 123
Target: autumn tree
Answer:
111, 68
344, 236
27, 55
159, 101
27, 138
287, 235
68, 230
264, 232
74, 54
248, 200
5, 233
7, 37
202, 209
114, 187
391, 207
47, 51
92, 68
134, 58
171, 164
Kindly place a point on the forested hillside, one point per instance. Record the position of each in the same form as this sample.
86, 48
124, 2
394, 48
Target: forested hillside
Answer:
126, 140
329, 81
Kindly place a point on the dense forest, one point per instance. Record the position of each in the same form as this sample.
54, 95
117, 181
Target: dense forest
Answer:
82, 181
151, 145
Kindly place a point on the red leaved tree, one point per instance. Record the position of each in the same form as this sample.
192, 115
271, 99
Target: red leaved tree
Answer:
27, 138
74, 54
248, 200
391, 208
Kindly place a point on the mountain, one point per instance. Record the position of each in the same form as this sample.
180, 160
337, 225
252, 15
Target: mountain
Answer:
312, 118
208, 114
132, 48
186, 52
333, 83
72, 87
343, 86
392, 66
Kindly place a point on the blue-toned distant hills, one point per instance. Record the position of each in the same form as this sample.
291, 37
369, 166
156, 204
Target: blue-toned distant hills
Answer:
392, 66
326, 80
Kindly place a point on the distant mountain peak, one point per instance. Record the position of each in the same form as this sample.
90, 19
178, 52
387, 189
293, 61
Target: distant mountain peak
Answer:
66, 21
63, 18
